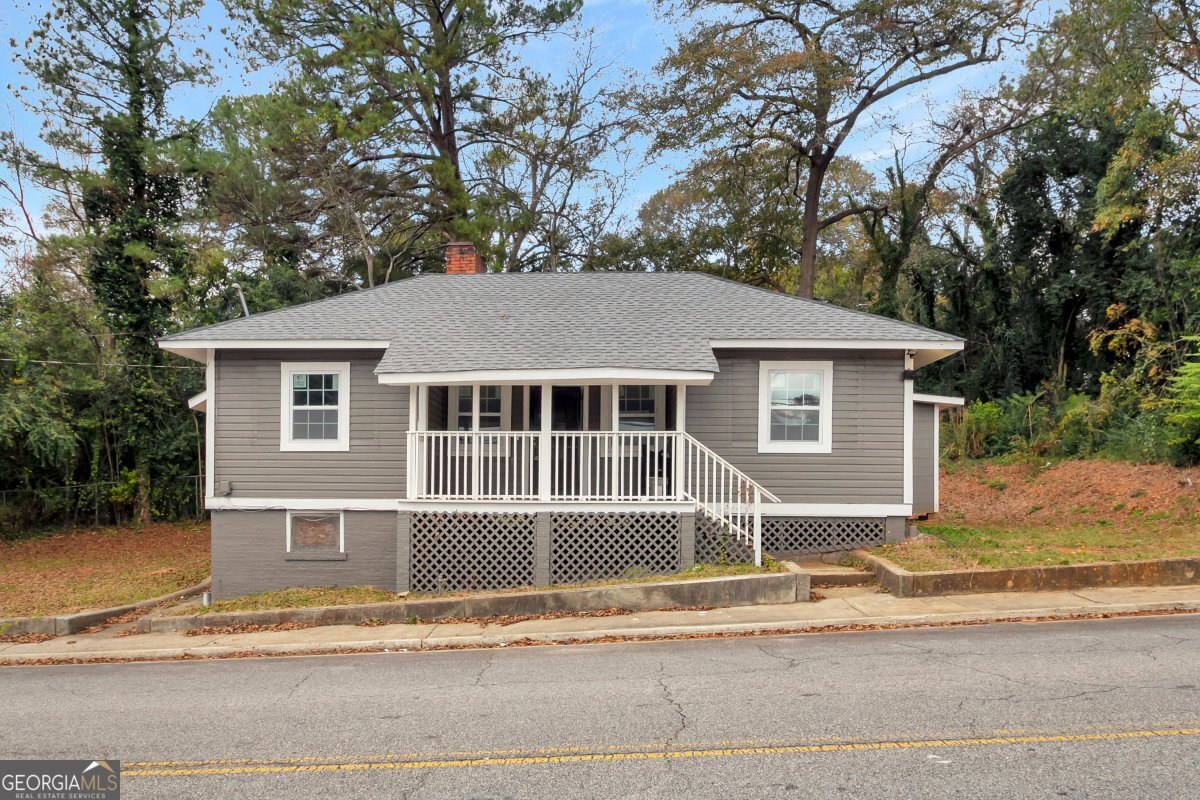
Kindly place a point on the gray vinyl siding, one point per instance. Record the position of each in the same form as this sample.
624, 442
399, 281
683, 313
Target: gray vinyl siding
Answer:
867, 461
925, 461
249, 554
247, 432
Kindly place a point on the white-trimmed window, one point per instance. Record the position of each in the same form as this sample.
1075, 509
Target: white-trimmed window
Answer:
794, 407
315, 406
639, 407
316, 535
481, 408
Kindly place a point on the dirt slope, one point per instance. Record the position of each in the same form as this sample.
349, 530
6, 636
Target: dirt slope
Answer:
1068, 493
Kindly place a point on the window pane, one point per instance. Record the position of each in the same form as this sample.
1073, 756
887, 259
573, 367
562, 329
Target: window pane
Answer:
464, 422
464, 401
314, 425
636, 400
636, 424
489, 399
316, 390
795, 425
489, 422
316, 533
801, 389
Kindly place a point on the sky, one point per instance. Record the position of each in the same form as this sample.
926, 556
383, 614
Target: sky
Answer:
627, 31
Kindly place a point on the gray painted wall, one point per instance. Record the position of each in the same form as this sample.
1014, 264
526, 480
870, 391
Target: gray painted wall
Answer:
925, 460
249, 554
247, 432
867, 462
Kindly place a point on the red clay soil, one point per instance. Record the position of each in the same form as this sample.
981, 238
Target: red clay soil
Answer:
1069, 493
76, 570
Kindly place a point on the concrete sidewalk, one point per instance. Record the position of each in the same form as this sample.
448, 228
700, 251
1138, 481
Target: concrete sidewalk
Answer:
855, 607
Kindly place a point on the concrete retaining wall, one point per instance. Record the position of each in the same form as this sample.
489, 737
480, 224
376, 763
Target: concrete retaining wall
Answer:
1157, 572
65, 624
740, 590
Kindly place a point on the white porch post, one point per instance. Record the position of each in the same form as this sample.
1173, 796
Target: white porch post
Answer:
677, 450
544, 455
417, 477
411, 450
757, 527
616, 452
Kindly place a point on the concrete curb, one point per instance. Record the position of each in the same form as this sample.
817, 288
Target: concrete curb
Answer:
725, 592
1066, 577
434, 643
65, 624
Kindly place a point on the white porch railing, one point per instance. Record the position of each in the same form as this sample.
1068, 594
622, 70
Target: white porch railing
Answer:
613, 466
587, 466
454, 465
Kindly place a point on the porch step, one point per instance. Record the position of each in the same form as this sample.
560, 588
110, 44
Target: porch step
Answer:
834, 574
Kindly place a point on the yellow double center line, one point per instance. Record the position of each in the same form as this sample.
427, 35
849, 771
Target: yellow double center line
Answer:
169, 768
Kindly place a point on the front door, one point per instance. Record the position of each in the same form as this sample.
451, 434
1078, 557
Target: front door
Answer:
566, 408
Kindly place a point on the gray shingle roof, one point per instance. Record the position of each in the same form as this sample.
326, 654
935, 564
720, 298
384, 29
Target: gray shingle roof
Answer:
449, 323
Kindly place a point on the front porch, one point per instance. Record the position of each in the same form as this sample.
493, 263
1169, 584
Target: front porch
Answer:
561, 448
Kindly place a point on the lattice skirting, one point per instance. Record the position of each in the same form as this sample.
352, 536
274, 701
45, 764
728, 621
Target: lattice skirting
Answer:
716, 545
464, 551
820, 534
596, 546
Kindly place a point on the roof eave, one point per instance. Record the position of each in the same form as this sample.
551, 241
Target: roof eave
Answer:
570, 377
197, 349
925, 351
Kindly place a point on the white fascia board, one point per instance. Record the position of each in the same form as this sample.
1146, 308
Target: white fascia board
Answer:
837, 509
199, 402
925, 352
938, 400
833, 344
298, 504
196, 348
531, 506
564, 377
383, 504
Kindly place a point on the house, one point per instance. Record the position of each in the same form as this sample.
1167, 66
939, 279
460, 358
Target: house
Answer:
472, 430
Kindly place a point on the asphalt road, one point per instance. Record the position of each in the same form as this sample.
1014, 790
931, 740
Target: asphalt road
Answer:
1107, 708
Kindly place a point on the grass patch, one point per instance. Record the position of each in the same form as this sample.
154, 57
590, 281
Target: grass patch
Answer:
300, 598
362, 595
956, 546
67, 572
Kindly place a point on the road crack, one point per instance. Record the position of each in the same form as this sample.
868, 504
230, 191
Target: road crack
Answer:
675, 705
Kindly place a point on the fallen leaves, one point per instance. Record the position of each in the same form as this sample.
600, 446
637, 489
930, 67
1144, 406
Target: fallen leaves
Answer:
215, 630
100, 568
25, 638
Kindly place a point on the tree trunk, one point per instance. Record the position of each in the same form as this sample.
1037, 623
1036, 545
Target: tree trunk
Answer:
143, 497
810, 228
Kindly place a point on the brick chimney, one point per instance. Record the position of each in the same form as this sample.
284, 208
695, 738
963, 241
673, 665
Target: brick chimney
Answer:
463, 259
